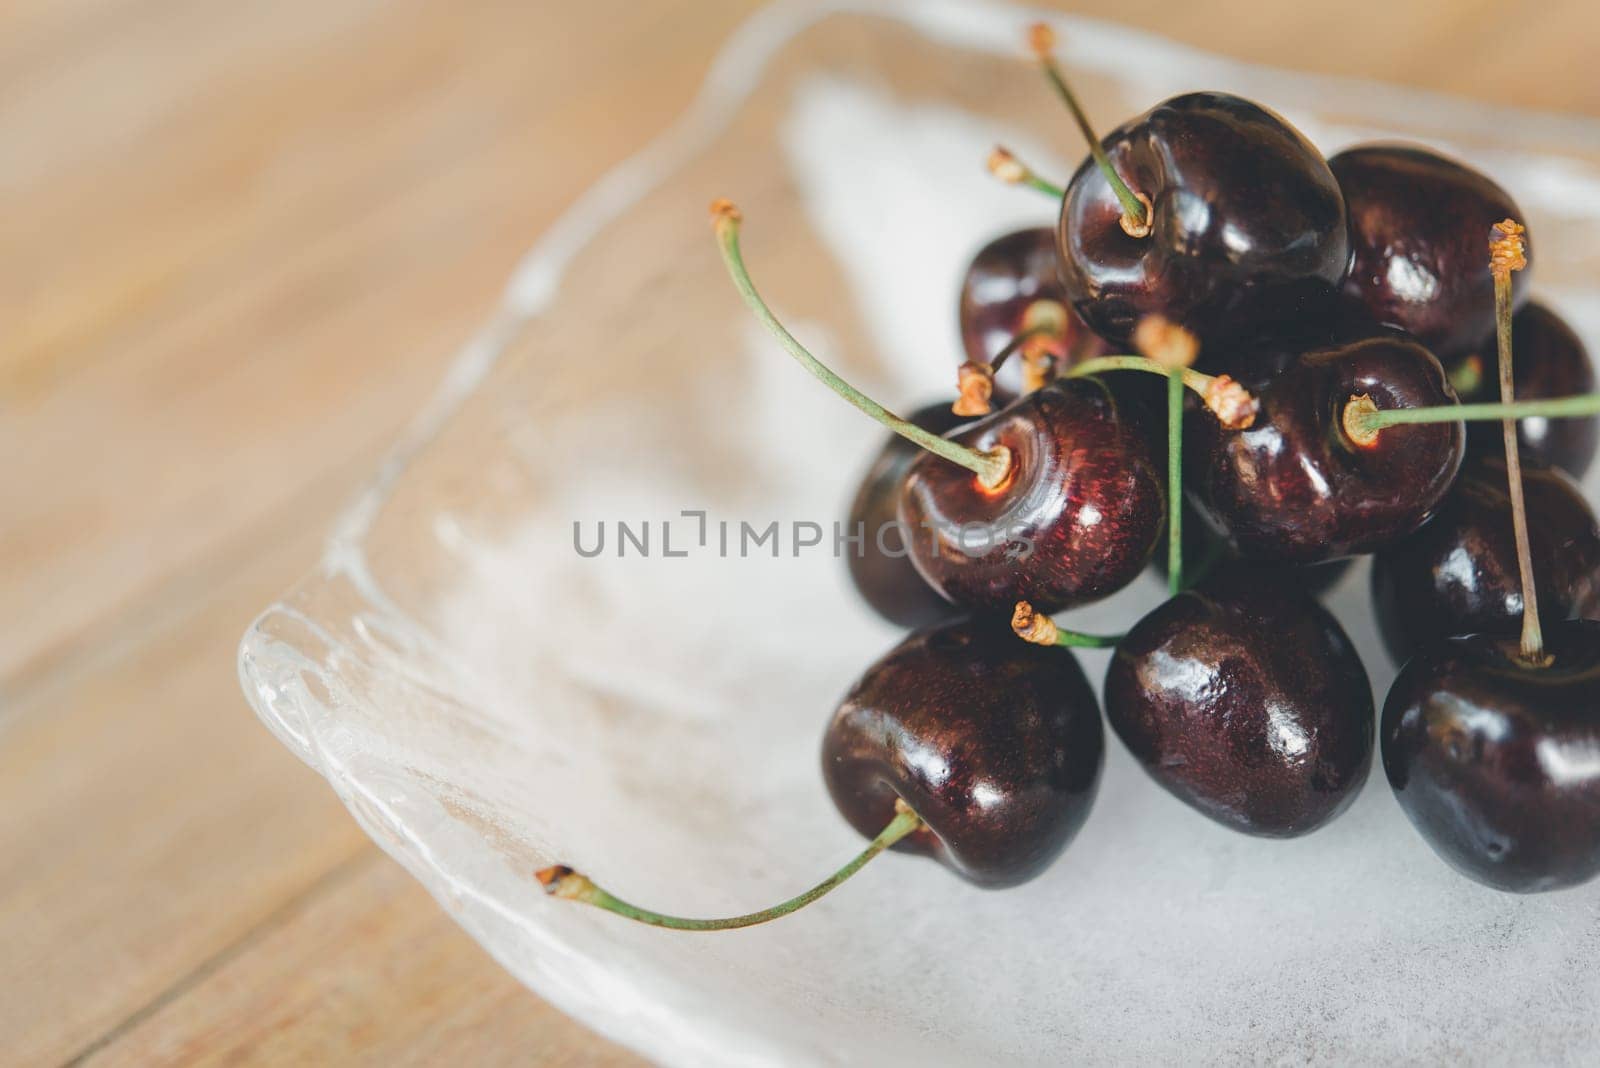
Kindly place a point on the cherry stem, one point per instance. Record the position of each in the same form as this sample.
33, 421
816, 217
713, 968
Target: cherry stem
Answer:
562, 881
1174, 482
1364, 419
1034, 626
990, 467
1506, 254
1011, 170
1230, 402
1135, 209
1016, 343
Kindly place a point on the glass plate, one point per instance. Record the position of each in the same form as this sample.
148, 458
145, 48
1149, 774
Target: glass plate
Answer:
487, 700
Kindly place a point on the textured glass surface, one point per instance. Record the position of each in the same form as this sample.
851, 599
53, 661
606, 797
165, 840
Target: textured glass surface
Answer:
487, 701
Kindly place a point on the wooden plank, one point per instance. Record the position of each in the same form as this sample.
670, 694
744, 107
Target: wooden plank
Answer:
276, 326
370, 972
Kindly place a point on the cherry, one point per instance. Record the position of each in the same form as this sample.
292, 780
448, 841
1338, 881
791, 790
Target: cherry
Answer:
1011, 288
1296, 487
1459, 573
1074, 520
1246, 224
1246, 701
1551, 362
1418, 222
1490, 742
1495, 760
880, 566
995, 744
1054, 498
960, 744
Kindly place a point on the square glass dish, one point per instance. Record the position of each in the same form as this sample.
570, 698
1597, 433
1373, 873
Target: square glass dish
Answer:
487, 699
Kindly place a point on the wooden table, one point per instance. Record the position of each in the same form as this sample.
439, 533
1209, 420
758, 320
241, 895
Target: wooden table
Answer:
241, 241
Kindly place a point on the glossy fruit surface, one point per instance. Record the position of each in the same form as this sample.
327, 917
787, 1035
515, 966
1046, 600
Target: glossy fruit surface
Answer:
1294, 488
880, 566
1459, 573
1247, 702
995, 743
1548, 360
1205, 551
1247, 224
1498, 764
1076, 520
1419, 243
1008, 276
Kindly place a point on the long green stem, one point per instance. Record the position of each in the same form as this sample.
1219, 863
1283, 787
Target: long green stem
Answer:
990, 467
1174, 482
1505, 256
562, 881
1134, 209
1368, 420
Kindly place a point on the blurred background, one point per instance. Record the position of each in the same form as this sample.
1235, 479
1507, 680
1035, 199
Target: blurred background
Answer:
241, 242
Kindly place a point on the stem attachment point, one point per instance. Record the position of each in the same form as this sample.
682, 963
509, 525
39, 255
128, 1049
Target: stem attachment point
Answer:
1356, 422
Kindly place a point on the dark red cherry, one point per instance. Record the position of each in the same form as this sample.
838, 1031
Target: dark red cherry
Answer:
1247, 224
880, 564
1294, 487
1009, 276
1498, 764
1550, 361
1248, 702
995, 743
1075, 520
1419, 225
1459, 574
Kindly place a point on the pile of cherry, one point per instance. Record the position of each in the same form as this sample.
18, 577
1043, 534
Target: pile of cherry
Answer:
1312, 339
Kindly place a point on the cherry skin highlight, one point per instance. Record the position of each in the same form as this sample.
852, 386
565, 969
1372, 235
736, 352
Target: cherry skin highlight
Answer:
1294, 488
1495, 761
1419, 225
1248, 703
1075, 520
995, 743
880, 566
1008, 276
1551, 361
1247, 225
1459, 574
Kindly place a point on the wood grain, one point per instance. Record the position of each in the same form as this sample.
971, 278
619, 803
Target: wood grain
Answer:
242, 241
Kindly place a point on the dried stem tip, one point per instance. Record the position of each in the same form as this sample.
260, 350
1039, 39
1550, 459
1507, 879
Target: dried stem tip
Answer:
1041, 39
1006, 167
1032, 626
561, 881
976, 383
723, 209
1508, 251
1159, 339
1233, 405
